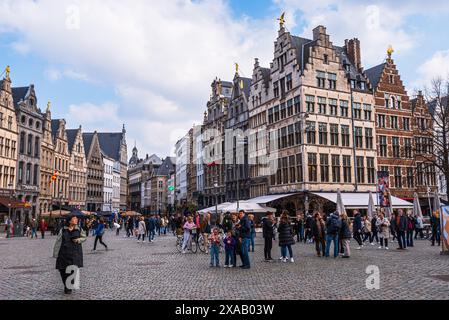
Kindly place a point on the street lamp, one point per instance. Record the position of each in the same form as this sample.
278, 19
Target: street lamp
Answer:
216, 198
303, 116
60, 202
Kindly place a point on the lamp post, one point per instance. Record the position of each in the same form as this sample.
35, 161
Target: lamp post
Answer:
60, 202
302, 117
216, 198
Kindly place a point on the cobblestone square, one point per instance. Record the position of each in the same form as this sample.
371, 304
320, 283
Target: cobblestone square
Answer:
136, 271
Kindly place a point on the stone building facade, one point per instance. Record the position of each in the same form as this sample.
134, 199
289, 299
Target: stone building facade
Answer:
400, 139
8, 149
94, 191
236, 141
78, 169
47, 166
213, 142
60, 188
319, 110
30, 122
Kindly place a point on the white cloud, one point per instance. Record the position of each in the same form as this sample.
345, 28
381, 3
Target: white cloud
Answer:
436, 66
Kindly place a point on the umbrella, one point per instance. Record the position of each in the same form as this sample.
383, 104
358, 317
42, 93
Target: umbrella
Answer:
416, 206
340, 206
371, 208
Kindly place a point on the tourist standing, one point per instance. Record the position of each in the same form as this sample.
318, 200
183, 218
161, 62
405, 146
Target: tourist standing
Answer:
99, 232
43, 228
286, 237
319, 234
215, 243
367, 230
227, 222
68, 249
244, 228
253, 232
189, 225
357, 229
299, 227
268, 235
206, 230
229, 243
333, 226
419, 226
435, 224
308, 228
383, 225
410, 228
152, 225
374, 230
34, 226
400, 227
345, 235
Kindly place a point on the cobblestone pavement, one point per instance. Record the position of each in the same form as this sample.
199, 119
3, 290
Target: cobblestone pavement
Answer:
131, 270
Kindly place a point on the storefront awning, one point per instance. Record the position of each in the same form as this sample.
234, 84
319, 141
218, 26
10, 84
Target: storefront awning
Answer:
361, 200
270, 198
14, 204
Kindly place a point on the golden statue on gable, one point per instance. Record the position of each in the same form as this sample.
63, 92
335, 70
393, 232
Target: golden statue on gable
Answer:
7, 72
390, 51
282, 20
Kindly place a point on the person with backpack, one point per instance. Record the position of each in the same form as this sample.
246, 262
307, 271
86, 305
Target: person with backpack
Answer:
333, 226
319, 234
410, 229
345, 235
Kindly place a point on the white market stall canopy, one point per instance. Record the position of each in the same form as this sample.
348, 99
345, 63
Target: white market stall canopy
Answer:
361, 200
270, 198
212, 209
249, 207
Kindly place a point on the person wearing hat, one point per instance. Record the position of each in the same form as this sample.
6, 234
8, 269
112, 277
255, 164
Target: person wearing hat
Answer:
68, 249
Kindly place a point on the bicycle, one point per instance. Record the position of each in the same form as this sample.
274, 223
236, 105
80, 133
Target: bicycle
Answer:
192, 245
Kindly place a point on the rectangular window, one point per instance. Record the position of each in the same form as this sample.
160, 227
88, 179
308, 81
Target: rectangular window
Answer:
313, 176
285, 179
360, 170
321, 105
290, 107
276, 89
324, 167
367, 112
359, 137
396, 147
371, 170
297, 104
292, 169
406, 124
270, 116
344, 108
369, 138
283, 109
289, 82
333, 107
394, 122
383, 146
387, 101
347, 169
334, 134
332, 77
397, 177
408, 148
381, 121
310, 104
291, 135
420, 174
299, 168
336, 169
311, 132
322, 133
276, 113
410, 178
345, 137
298, 134
357, 110
321, 79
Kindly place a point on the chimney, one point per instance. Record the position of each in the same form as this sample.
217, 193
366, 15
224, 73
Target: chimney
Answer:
353, 51
318, 31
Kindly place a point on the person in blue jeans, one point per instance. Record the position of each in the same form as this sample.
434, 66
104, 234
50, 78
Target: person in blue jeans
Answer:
215, 243
253, 232
244, 228
333, 226
230, 244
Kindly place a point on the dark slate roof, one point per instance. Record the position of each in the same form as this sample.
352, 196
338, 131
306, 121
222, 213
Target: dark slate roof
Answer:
246, 86
166, 167
110, 144
87, 139
374, 74
19, 94
54, 127
298, 43
266, 74
71, 137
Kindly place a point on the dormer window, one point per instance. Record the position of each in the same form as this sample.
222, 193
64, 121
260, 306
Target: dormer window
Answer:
362, 85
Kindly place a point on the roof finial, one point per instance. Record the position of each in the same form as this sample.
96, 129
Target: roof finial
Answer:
282, 20
48, 106
236, 68
7, 72
390, 51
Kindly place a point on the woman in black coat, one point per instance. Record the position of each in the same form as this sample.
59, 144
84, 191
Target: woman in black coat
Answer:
68, 250
286, 237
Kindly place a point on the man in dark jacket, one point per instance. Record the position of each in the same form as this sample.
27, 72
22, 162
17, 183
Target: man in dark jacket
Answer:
400, 226
374, 231
357, 228
152, 222
333, 226
244, 228
268, 234
436, 229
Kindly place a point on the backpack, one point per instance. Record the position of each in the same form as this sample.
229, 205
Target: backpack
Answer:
335, 225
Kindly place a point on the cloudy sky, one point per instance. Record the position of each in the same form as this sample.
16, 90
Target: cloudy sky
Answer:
149, 63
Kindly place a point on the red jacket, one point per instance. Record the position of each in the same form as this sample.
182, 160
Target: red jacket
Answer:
43, 226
